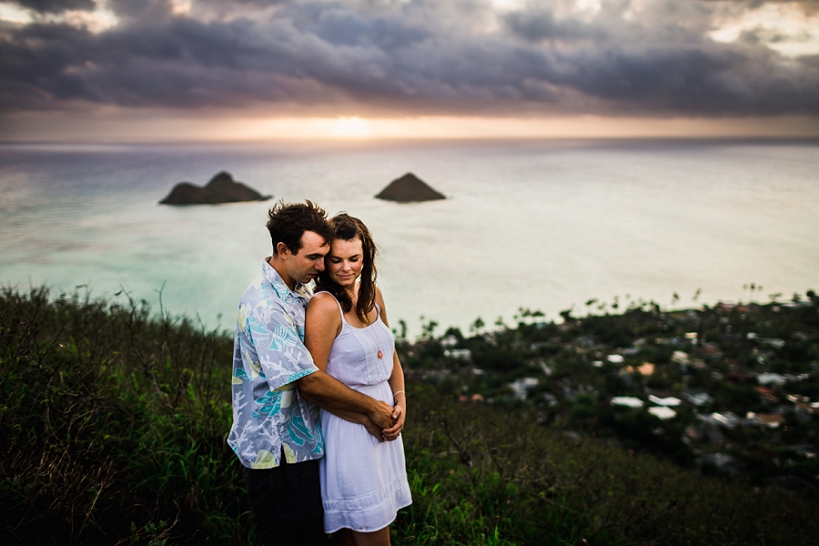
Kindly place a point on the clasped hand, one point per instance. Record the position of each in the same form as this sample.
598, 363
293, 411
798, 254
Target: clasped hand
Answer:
398, 417
393, 416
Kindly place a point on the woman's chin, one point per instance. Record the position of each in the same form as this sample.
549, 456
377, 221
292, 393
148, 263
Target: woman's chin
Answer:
345, 283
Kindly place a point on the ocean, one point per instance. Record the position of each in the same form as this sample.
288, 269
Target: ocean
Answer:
537, 224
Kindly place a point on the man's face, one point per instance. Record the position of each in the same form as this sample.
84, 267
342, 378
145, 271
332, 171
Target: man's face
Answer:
306, 264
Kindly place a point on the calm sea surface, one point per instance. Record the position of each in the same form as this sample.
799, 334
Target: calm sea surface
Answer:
538, 224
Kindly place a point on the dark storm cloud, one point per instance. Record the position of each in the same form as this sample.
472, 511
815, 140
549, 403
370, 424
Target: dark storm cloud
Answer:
57, 6
415, 56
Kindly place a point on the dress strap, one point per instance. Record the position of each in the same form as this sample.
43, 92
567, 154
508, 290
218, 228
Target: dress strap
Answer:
340, 309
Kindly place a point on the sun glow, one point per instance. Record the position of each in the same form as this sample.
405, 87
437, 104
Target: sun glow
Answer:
127, 125
353, 127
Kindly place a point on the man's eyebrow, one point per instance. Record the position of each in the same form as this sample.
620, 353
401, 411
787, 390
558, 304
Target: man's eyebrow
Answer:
315, 255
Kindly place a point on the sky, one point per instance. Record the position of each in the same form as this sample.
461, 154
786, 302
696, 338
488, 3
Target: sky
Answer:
153, 70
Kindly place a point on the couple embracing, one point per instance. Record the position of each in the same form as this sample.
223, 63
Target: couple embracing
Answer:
339, 469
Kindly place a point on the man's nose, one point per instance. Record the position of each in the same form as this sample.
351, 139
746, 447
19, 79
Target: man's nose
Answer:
320, 265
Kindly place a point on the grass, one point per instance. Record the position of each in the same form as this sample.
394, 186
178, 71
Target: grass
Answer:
113, 426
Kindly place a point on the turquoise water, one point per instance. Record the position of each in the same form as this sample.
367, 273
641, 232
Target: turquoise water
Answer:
538, 224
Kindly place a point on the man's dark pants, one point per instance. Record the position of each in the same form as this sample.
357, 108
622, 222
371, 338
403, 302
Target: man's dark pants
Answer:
286, 501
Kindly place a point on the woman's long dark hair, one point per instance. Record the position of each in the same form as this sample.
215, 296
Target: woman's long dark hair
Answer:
347, 228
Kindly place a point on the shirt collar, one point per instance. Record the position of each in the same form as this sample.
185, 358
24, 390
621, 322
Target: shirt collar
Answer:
300, 291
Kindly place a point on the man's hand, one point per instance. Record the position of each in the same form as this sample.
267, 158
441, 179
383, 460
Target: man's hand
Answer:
394, 431
381, 414
373, 429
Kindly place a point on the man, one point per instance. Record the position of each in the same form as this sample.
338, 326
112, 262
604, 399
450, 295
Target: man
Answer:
276, 432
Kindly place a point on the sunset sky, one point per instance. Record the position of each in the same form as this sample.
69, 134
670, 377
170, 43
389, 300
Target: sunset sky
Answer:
158, 70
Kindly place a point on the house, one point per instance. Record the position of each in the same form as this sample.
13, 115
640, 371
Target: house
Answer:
726, 419
627, 401
669, 401
449, 341
770, 420
647, 368
771, 379
697, 397
662, 412
774, 342
521, 386
459, 354
680, 357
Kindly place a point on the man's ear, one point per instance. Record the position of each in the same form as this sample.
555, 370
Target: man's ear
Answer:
282, 250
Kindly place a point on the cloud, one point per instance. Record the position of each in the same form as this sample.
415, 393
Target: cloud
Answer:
57, 6
652, 57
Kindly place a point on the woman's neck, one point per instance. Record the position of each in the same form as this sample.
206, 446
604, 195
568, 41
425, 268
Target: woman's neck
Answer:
352, 293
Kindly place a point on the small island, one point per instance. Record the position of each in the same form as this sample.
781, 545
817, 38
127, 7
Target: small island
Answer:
409, 189
221, 189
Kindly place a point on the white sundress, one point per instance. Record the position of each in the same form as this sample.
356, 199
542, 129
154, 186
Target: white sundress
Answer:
363, 481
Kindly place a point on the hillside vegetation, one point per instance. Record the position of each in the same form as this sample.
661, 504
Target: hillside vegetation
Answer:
113, 426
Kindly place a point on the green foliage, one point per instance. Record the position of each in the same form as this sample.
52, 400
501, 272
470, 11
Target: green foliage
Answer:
114, 425
480, 476
112, 429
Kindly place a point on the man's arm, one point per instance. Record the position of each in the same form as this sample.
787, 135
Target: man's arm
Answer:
284, 359
331, 394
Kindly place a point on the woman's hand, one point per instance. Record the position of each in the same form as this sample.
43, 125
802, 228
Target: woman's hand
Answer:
394, 431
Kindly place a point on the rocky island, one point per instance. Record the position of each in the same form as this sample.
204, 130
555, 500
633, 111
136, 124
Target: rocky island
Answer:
221, 189
409, 189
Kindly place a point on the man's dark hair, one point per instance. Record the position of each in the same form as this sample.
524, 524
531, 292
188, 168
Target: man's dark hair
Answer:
287, 222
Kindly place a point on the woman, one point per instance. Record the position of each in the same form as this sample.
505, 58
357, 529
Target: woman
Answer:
363, 472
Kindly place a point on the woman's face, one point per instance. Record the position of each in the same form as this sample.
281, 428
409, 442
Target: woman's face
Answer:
344, 261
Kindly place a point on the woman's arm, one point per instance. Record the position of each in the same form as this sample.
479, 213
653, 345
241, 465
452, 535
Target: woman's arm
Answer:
322, 324
321, 327
396, 382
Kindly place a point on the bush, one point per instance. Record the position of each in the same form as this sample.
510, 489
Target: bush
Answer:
114, 425
112, 430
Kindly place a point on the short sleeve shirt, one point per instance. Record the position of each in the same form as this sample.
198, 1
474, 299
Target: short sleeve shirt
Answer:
269, 415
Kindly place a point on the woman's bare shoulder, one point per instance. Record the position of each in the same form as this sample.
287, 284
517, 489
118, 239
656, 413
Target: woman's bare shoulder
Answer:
323, 302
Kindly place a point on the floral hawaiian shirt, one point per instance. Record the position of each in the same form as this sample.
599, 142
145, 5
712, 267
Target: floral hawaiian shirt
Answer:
269, 415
